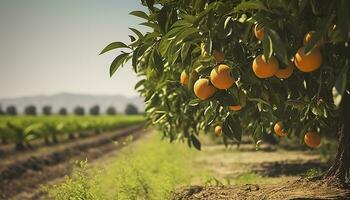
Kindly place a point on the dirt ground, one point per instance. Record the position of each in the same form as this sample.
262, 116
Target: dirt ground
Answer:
21, 177
279, 175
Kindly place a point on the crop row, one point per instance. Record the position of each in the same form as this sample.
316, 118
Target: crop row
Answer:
25, 130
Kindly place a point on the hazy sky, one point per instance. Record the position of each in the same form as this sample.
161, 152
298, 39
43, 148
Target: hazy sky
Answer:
52, 46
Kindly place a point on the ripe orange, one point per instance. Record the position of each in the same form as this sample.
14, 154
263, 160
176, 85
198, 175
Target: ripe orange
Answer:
279, 129
308, 37
286, 72
308, 62
218, 130
219, 56
203, 90
184, 78
221, 78
312, 139
259, 32
235, 108
263, 68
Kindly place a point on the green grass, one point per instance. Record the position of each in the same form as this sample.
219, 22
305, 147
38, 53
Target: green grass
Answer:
151, 170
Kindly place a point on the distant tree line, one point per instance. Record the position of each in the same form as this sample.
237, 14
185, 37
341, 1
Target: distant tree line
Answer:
78, 110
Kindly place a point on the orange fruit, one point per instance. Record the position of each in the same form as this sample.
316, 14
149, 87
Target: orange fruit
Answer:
221, 78
279, 130
286, 72
203, 90
184, 78
308, 62
263, 68
259, 32
308, 37
312, 139
219, 56
235, 108
218, 130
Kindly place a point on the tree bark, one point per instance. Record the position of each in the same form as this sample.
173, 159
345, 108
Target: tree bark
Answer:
338, 173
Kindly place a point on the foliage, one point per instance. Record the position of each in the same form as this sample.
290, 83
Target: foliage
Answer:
95, 110
76, 187
11, 110
111, 110
2, 112
62, 111
150, 170
30, 110
22, 130
79, 110
178, 28
47, 110
131, 109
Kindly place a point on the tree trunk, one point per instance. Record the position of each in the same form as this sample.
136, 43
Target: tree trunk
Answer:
338, 174
4, 141
71, 136
20, 146
54, 138
46, 140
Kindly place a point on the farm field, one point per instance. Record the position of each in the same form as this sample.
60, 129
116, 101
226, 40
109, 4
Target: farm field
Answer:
25, 169
153, 169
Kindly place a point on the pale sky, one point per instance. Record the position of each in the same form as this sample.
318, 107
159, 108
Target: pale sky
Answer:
52, 46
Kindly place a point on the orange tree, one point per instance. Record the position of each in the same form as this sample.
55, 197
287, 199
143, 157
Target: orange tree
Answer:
245, 67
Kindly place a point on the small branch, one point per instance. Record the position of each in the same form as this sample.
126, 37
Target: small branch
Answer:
320, 85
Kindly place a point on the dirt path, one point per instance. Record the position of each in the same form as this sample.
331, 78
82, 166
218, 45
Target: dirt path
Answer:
269, 173
21, 179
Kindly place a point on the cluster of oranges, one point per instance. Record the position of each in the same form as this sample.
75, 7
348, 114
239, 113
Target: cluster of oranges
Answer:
311, 139
220, 78
309, 62
304, 62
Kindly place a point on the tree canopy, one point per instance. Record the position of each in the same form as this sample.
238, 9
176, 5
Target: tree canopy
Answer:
186, 33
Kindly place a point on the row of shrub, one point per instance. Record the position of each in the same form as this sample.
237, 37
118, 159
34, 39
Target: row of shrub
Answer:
78, 110
23, 130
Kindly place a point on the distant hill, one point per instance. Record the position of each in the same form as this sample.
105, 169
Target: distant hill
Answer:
70, 101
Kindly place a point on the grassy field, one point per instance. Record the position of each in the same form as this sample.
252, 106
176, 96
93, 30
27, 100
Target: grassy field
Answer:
152, 169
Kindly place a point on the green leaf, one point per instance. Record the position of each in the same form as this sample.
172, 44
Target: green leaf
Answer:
138, 33
194, 102
316, 36
140, 14
113, 45
267, 45
232, 128
162, 19
278, 45
151, 25
340, 86
139, 84
226, 99
196, 143
117, 62
150, 4
158, 62
186, 33
184, 50
251, 5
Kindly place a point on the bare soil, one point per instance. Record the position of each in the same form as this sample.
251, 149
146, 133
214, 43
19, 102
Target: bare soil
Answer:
21, 177
281, 173
297, 189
